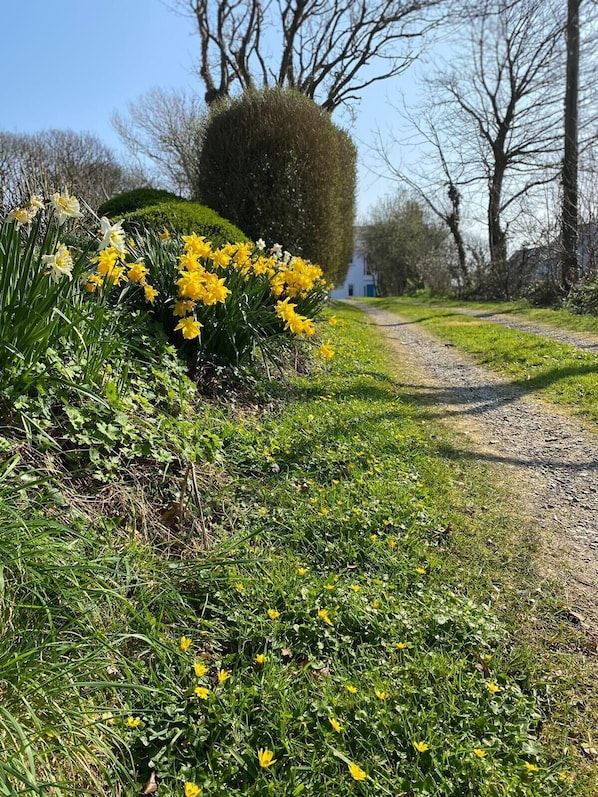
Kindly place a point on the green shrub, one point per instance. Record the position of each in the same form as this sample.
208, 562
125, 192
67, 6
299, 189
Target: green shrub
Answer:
185, 217
583, 298
135, 200
275, 164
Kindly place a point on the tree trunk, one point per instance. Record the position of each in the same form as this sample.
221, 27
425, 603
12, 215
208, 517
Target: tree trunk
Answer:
570, 268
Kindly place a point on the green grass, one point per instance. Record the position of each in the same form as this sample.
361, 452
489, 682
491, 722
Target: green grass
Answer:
560, 318
554, 371
355, 547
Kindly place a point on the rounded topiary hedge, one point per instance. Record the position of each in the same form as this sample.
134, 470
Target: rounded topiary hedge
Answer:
274, 164
129, 201
185, 217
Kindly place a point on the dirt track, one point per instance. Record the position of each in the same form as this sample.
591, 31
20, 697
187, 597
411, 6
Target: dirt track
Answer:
549, 459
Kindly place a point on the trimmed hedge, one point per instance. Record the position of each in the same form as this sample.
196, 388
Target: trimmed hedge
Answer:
185, 217
274, 163
129, 201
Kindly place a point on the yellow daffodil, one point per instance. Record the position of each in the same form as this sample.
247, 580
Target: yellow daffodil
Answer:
356, 771
164, 235
150, 293
265, 758
326, 351
189, 327
137, 272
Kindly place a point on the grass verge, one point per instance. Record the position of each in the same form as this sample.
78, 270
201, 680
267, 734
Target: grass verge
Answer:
554, 371
370, 622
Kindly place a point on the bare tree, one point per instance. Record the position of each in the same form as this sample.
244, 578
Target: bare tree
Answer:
329, 50
54, 159
570, 269
503, 99
165, 128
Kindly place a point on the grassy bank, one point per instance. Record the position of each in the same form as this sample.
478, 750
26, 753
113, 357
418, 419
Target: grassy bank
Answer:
547, 368
366, 621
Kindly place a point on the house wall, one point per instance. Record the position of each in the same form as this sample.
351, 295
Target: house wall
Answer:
358, 283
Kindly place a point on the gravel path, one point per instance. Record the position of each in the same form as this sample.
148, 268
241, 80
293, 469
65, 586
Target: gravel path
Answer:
549, 459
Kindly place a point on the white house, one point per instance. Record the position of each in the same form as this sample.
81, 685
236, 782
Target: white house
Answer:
359, 280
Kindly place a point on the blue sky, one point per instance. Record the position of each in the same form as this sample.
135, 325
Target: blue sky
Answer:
69, 64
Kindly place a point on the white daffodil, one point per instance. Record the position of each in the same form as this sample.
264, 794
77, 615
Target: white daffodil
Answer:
36, 203
112, 235
21, 216
65, 206
60, 264
276, 251
260, 244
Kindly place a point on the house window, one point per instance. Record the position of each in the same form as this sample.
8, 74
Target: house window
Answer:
350, 290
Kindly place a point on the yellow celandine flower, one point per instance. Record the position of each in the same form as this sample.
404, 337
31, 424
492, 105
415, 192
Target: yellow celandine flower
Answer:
239, 587
479, 752
185, 643
323, 615
391, 542
273, 614
357, 773
333, 321
302, 571
137, 272
401, 645
223, 675
261, 658
200, 669
335, 724
265, 758
164, 235
381, 695
530, 767
189, 327
133, 722
192, 789
352, 690
421, 747
355, 587
421, 570
150, 293
375, 604
329, 587
201, 692
492, 687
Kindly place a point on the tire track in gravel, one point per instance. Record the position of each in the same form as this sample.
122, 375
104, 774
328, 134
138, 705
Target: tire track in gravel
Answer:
549, 459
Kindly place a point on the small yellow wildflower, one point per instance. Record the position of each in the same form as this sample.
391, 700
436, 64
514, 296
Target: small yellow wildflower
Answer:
375, 604
201, 692
326, 351
302, 571
329, 587
357, 772
333, 321
351, 689
380, 695
421, 747
355, 587
421, 570
273, 614
335, 724
262, 511
323, 615
401, 645
391, 542
223, 675
239, 586
200, 669
265, 758
492, 687
530, 767
261, 658
479, 752
192, 789
185, 643
133, 722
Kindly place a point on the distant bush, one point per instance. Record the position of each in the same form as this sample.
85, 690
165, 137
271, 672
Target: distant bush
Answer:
274, 163
134, 200
583, 298
185, 217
